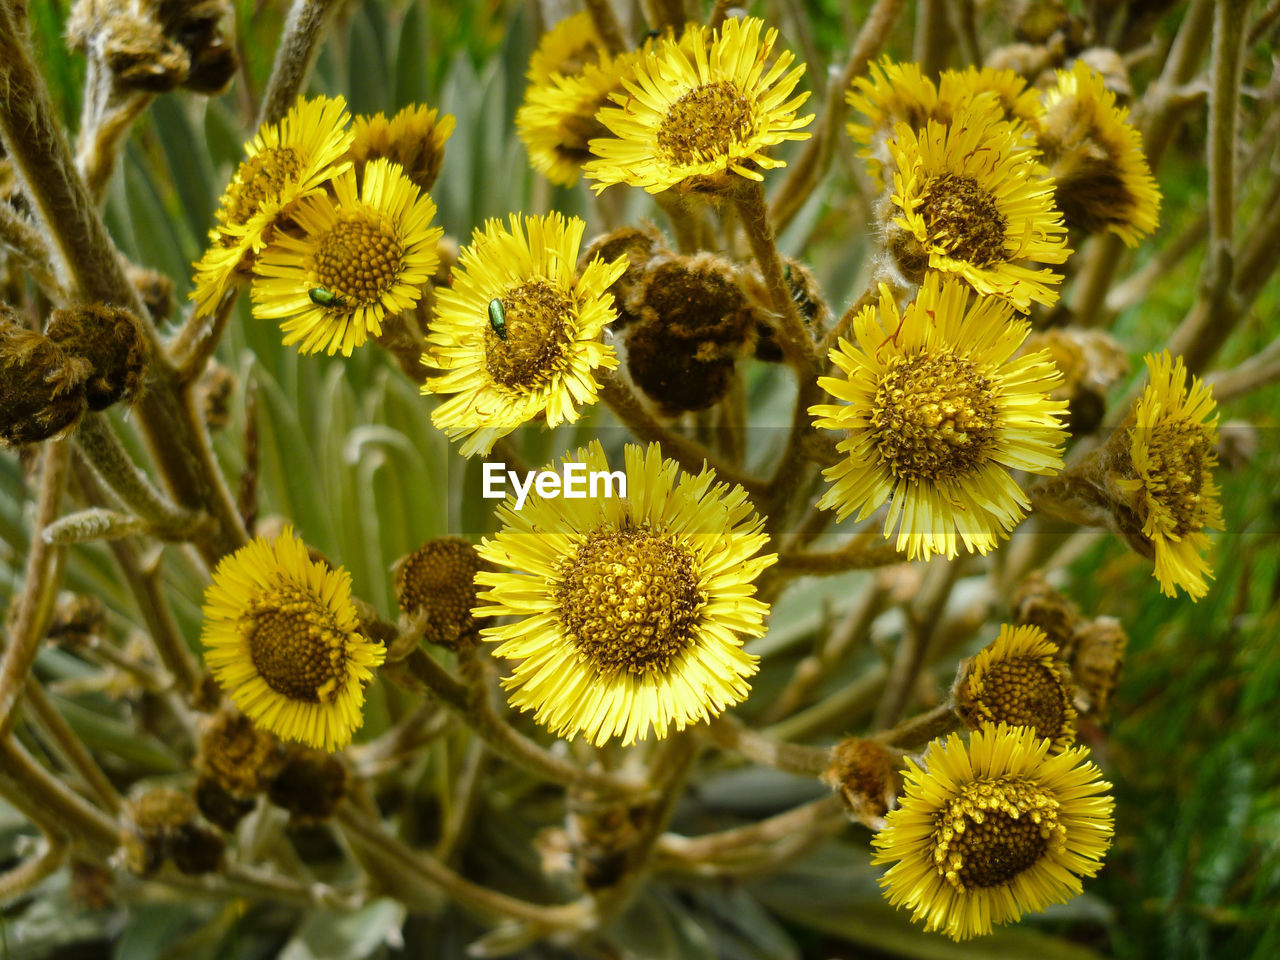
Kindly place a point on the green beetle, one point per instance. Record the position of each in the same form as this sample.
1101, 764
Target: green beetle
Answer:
498, 318
325, 298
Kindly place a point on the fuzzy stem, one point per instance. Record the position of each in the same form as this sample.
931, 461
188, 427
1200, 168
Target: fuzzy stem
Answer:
47, 802
815, 819
39, 586
861, 553
1259, 370
813, 162
922, 728
729, 733
473, 707
1224, 106
304, 32
27, 244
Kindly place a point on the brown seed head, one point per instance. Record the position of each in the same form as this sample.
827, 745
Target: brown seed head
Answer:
155, 289
439, 579
1099, 648
237, 755
112, 341
310, 786
42, 388
865, 775
639, 245
1036, 603
164, 824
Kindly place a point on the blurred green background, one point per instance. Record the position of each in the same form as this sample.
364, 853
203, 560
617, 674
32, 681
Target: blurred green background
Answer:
348, 454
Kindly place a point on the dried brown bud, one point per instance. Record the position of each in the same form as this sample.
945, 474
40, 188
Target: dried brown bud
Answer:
438, 579
214, 391
639, 245
237, 755
603, 836
42, 389
1111, 65
218, 806
155, 289
1090, 362
163, 824
76, 617
1097, 660
92, 886
865, 774
112, 341
311, 786
1036, 603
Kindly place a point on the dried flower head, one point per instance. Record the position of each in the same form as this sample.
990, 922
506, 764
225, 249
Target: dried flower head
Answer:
993, 829
968, 200
163, 824
238, 755
936, 413
359, 255
311, 786
698, 124
1037, 604
280, 637
112, 341
1103, 181
1091, 362
518, 334
1098, 649
865, 775
438, 580
414, 138
1018, 679
629, 613
42, 388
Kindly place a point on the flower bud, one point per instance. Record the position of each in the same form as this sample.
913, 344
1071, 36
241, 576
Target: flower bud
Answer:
111, 340
1037, 604
413, 138
163, 824
310, 786
42, 389
864, 773
639, 245
1099, 648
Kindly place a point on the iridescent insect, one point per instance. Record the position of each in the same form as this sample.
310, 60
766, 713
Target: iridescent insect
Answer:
325, 298
498, 318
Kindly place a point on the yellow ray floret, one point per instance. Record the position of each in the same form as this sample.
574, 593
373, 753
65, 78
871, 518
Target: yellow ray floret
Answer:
630, 611
936, 412
519, 334
1171, 445
281, 638
700, 112
284, 162
992, 830
355, 257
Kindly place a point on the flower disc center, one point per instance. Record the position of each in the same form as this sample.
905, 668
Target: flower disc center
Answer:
629, 600
963, 219
262, 177
295, 645
706, 121
359, 258
1179, 454
1024, 692
993, 831
934, 416
534, 336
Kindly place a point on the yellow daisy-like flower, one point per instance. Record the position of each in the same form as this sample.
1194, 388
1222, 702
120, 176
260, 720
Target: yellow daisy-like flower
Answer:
359, 256
993, 830
690, 124
1171, 445
631, 609
968, 200
414, 138
280, 636
1020, 680
518, 335
566, 48
284, 162
1096, 159
557, 120
1019, 102
936, 413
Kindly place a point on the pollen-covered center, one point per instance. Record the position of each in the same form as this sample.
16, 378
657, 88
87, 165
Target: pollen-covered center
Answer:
358, 259
934, 416
706, 121
993, 831
1026, 692
533, 334
963, 219
295, 644
629, 600
262, 177
1179, 457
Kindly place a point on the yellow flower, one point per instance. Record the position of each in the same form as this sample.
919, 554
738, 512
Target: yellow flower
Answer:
691, 124
558, 117
993, 830
936, 414
518, 335
566, 48
1095, 156
967, 200
631, 611
280, 636
361, 255
1171, 445
414, 138
1019, 679
1019, 102
284, 162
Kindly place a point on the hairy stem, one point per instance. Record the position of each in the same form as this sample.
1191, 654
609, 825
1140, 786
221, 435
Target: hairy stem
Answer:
729, 733
304, 31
